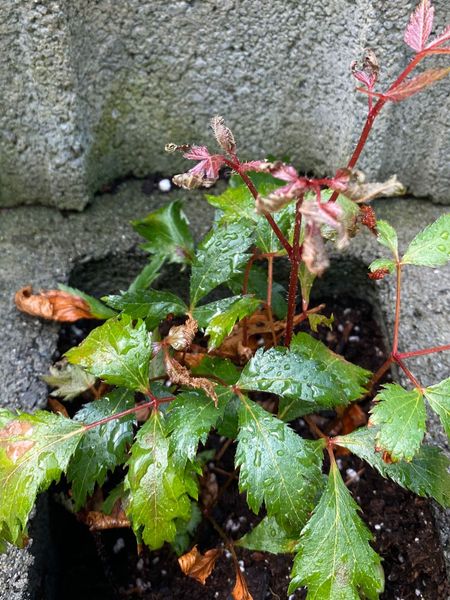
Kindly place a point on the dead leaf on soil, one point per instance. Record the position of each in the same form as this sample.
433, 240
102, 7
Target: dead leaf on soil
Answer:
199, 566
98, 521
54, 305
240, 590
58, 408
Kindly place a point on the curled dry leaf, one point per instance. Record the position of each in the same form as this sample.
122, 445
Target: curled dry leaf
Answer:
181, 376
192, 181
223, 135
181, 337
199, 566
314, 253
58, 408
16, 448
98, 521
240, 590
359, 191
367, 71
55, 305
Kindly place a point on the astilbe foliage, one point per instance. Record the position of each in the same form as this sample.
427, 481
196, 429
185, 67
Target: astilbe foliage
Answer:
269, 212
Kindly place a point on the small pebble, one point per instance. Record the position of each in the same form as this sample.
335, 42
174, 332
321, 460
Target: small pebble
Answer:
241, 566
354, 338
163, 572
352, 474
140, 564
165, 185
119, 545
155, 561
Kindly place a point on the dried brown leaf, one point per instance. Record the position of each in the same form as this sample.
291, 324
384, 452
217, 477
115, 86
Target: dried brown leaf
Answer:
223, 135
199, 566
180, 375
240, 590
54, 305
98, 521
181, 337
364, 192
57, 407
192, 181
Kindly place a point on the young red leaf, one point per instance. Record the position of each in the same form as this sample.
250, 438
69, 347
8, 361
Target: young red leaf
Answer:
410, 87
419, 26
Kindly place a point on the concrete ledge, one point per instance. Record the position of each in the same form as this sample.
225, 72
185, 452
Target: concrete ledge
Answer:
41, 246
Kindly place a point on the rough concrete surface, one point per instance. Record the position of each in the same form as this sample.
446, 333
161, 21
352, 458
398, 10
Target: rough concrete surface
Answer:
91, 91
42, 246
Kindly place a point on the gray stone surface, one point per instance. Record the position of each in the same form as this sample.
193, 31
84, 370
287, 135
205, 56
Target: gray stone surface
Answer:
42, 246
92, 90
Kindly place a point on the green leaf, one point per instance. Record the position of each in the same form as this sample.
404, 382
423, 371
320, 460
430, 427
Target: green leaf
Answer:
220, 255
158, 490
34, 451
68, 380
222, 324
426, 475
97, 308
387, 236
277, 467
186, 530
268, 536
151, 305
102, 448
307, 373
118, 352
235, 203
400, 415
191, 416
439, 398
257, 285
335, 560
316, 320
431, 247
167, 232
148, 274
306, 279
206, 312
225, 370
382, 263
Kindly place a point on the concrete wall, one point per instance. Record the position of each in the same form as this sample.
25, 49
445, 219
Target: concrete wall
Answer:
93, 89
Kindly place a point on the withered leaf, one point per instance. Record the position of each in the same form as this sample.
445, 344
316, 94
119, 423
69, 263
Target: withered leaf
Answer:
198, 566
180, 375
240, 590
181, 336
223, 134
15, 449
98, 521
54, 305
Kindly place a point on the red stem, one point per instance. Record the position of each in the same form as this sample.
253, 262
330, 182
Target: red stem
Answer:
151, 403
408, 374
373, 113
293, 279
254, 192
402, 355
397, 309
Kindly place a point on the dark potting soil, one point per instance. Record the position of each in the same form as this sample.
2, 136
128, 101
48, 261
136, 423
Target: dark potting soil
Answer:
107, 566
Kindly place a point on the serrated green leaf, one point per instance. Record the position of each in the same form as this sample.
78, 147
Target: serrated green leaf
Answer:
387, 236
102, 448
426, 475
335, 560
306, 279
117, 493
235, 203
204, 313
118, 352
221, 325
307, 373
68, 380
97, 308
268, 536
191, 416
186, 529
257, 285
167, 232
439, 398
34, 451
400, 415
382, 263
225, 370
277, 466
149, 273
158, 490
151, 305
220, 255
431, 247
316, 320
